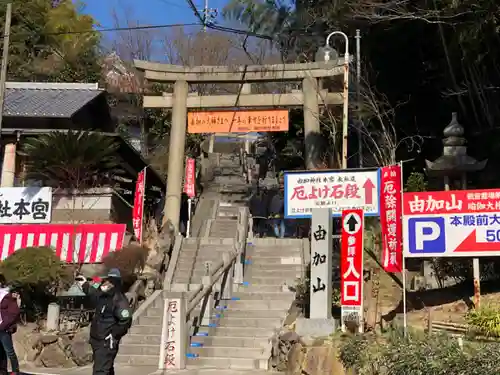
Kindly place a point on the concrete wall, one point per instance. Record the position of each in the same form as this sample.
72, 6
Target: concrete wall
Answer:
100, 205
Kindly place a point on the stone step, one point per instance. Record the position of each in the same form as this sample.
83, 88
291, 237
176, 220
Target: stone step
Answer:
272, 280
285, 274
140, 349
225, 363
283, 296
277, 242
141, 329
273, 267
236, 313
275, 260
137, 360
227, 341
237, 331
146, 320
269, 323
230, 351
206, 248
260, 304
142, 339
256, 288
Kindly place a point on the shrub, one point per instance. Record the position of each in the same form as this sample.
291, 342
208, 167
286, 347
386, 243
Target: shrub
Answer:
484, 321
129, 260
418, 354
39, 273
35, 266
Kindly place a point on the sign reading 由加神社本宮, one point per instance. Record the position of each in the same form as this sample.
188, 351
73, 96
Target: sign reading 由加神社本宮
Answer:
275, 120
25, 205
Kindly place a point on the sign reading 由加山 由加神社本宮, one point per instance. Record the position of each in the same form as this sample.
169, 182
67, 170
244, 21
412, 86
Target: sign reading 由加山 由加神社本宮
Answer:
335, 189
462, 223
25, 205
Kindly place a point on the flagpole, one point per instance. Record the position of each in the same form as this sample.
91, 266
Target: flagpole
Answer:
403, 262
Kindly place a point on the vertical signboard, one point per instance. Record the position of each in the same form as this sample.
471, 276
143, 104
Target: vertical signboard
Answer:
391, 218
321, 264
173, 336
351, 267
190, 178
138, 210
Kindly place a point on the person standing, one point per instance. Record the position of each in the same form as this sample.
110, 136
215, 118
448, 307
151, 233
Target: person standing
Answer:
9, 317
259, 213
277, 212
112, 320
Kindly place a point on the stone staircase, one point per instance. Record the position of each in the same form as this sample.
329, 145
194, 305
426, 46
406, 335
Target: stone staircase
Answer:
240, 328
244, 325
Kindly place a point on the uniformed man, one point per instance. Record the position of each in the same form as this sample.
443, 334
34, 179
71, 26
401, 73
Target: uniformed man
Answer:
111, 321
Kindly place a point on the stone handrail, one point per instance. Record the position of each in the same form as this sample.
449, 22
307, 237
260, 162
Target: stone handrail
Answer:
174, 257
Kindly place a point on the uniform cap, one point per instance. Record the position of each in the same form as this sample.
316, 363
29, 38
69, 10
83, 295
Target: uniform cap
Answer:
114, 273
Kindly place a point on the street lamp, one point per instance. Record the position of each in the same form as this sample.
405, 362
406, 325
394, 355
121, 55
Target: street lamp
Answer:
329, 54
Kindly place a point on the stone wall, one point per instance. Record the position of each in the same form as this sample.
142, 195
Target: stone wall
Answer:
320, 357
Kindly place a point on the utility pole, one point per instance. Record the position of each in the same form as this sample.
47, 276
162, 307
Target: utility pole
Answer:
360, 125
5, 59
208, 15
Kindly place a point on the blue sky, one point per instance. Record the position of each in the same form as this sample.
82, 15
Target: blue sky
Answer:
151, 12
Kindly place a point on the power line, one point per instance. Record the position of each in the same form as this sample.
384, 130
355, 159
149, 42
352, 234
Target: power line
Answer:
131, 28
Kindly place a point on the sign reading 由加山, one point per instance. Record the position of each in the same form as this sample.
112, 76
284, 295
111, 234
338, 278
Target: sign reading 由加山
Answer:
461, 223
274, 120
25, 205
338, 190
390, 218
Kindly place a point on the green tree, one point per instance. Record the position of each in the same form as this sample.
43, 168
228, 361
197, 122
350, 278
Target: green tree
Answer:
47, 43
72, 160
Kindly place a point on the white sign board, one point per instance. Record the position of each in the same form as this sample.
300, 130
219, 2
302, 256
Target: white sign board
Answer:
25, 205
335, 189
321, 264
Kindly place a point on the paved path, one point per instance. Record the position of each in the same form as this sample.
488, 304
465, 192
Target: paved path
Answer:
143, 370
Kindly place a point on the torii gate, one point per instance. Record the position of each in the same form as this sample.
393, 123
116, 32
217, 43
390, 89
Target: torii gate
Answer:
309, 98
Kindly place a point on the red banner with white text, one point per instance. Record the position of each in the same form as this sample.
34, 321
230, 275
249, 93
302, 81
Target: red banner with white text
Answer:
190, 178
391, 212
138, 210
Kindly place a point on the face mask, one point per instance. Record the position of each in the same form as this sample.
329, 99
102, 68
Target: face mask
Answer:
106, 288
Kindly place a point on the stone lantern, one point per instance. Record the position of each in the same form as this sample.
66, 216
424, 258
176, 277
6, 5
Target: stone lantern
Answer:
454, 164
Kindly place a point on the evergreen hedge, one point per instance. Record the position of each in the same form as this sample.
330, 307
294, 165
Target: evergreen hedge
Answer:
418, 354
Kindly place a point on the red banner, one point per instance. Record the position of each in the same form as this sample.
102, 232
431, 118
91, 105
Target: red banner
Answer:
391, 218
190, 178
138, 210
80, 243
351, 258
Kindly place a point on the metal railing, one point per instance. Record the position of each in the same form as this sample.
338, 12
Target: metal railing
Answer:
216, 285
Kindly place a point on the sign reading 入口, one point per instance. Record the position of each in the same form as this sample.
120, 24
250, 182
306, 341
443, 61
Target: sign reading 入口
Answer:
351, 267
336, 189
274, 120
25, 205
462, 223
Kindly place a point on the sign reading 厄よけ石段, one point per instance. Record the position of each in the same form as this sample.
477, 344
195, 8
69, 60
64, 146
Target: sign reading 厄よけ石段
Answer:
25, 205
335, 189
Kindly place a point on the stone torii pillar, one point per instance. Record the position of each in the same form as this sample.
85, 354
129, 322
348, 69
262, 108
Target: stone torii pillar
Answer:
309, 98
